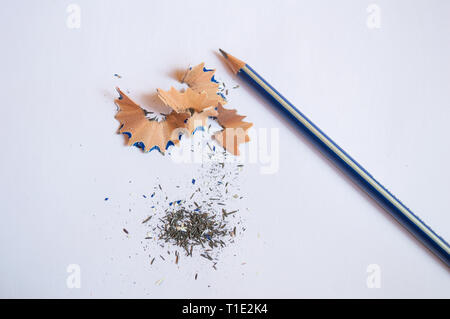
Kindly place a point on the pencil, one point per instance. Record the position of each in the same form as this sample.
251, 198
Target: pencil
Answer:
344, 161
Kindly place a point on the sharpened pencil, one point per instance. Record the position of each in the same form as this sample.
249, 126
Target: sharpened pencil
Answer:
346, 163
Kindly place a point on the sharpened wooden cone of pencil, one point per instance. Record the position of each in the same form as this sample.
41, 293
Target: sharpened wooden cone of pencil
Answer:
346, 163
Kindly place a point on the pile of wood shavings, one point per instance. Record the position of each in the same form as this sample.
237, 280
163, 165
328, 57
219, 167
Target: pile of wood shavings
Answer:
190, 109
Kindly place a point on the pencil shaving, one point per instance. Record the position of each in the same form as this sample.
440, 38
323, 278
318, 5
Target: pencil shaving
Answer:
183, 101
144, 132
230, 119
200, 79
231, 138
198, 119
235, 129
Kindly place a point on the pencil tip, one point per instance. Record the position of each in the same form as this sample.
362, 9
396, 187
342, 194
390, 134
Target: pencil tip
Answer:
232, 61
225, 55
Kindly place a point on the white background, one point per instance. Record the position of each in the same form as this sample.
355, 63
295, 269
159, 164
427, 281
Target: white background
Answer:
382, 94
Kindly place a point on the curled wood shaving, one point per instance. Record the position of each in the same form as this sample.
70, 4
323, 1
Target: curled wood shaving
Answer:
229, 118
198, 119
144, 132
235, 130
231, 138
200, 79
183, 101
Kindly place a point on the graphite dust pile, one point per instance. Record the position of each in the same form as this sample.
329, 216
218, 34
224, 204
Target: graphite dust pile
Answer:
202, 224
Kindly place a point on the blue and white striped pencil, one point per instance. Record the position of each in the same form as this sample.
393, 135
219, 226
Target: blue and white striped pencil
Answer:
344, 161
